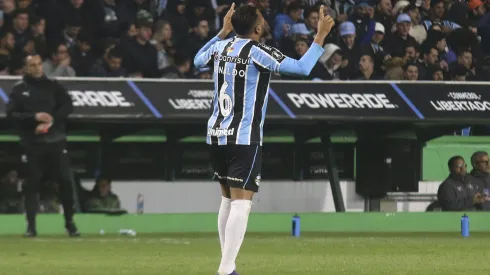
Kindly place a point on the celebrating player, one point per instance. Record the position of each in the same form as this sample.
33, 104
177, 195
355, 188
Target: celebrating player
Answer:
242, 70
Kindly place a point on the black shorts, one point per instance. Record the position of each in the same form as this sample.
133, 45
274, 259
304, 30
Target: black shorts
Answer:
237, 165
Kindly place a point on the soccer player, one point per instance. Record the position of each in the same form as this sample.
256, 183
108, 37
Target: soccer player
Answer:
242, 70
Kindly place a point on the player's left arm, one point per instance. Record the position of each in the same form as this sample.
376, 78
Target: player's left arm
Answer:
271, 59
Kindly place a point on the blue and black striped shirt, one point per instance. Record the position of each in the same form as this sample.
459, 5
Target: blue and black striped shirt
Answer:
242, 71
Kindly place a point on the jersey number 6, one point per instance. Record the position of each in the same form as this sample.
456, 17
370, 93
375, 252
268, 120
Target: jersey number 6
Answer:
225, 102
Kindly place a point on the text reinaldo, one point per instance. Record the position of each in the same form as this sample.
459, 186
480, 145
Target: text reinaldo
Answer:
332, 100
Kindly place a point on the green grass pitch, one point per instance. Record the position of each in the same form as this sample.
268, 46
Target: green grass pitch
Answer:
262, 254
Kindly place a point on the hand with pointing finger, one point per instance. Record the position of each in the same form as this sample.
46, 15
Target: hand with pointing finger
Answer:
325, 23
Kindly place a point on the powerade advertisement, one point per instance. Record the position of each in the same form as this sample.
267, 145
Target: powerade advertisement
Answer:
174, 100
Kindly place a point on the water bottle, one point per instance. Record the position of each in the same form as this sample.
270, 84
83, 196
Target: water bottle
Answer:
465, 226
140, 204
296, 226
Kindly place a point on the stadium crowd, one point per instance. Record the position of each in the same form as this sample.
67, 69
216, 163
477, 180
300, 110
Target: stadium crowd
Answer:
373, 39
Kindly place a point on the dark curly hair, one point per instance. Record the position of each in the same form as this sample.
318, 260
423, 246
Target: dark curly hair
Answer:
244, 19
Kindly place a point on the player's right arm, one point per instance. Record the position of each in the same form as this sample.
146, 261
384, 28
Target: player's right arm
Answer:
206, 53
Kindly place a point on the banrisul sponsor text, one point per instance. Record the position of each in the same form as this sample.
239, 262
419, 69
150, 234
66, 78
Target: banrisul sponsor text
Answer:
341, 100
461, 102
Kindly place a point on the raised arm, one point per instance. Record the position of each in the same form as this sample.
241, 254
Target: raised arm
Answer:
271, 59
205, 54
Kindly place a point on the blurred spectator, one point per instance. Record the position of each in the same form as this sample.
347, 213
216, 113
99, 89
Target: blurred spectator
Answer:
182, 66
438, 39
465, 60
412, 52
21, 29
366, 68
10, 194
351, 52
7, 45
59, 63
82, 56
162, 40
311, 22
72, 28
411, 71
175, 14
435, 73
283, 22
110, 64
198, 38
101, 198
362, 18
116, 17
374, 48
459, 73
482, 12
417, 31
341, 9
38, 27
383, 13
268, 14
436, 17
393, 68
8, 8
430, 55
327, 67
152, 32
141, 58
397, 42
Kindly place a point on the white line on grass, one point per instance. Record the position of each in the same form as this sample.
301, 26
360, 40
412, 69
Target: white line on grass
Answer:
118, 240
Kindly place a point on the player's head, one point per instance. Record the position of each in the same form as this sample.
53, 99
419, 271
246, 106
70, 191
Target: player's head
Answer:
248, 21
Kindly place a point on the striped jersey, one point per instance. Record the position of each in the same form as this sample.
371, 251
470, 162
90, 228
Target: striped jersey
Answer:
242, 71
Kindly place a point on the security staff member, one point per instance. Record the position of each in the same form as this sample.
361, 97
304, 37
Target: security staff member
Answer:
39, 107
458, 192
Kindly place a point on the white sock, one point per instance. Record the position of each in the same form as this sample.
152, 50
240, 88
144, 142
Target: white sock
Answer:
235, 232
224, 212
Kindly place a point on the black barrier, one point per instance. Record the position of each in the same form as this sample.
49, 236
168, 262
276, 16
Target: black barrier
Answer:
374, 110
417, 101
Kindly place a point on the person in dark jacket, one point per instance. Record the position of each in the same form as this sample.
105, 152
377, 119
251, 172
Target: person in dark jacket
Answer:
182, 66
110, 64
39, 107
458, 192
481, 175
